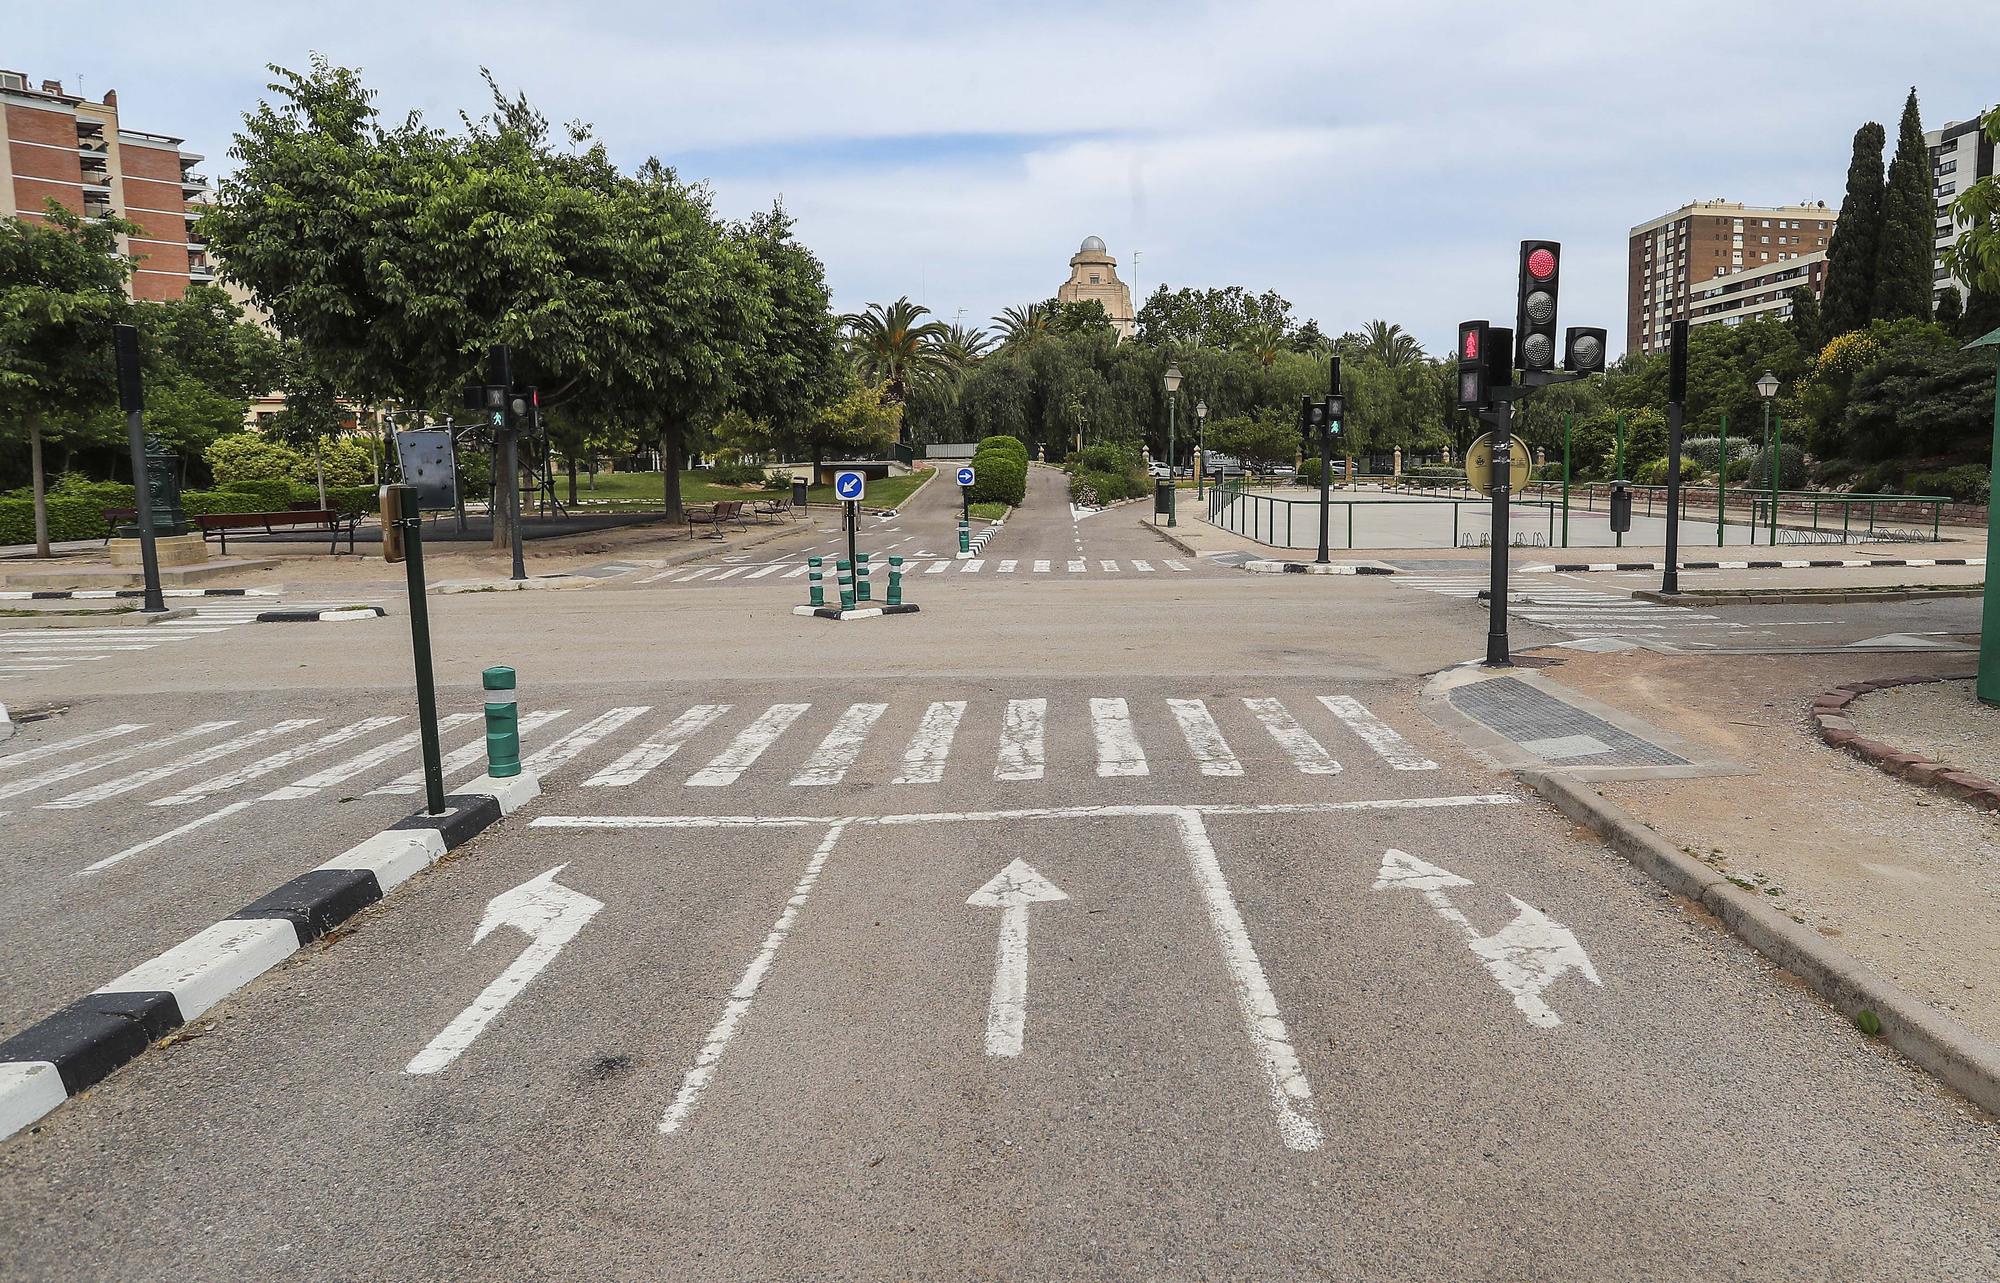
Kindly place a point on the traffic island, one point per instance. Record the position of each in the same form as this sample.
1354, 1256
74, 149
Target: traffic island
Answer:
1833, 716
337, 614
1267, 567
861, 612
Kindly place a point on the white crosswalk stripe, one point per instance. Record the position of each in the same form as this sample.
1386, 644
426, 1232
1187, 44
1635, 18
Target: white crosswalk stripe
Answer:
1578, 611
462, 757
1305, 751
836, 753
1376, 734
41, 650
275, 762
660, 746
98, 761
743, 752
1022, 751
924, 563
1204, 738
153, 775
923, 760
1118, 751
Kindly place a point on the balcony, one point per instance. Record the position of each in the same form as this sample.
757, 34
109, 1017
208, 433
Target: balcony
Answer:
193, 184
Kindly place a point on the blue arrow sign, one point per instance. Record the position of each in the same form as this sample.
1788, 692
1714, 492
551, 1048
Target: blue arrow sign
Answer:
965, 476
848, 485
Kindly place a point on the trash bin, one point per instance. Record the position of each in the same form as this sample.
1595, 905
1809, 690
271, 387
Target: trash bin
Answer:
1163, 497
1621, 507
799, 492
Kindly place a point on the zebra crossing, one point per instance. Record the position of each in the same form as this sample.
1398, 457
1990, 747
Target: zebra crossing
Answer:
1578, 611
929, 565
27, 651
709, 746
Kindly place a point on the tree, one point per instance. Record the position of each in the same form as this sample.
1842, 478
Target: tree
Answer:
1975, 257
1208, 318
1260, 440
1262, 342
792, 365
893, 342
1808, 324
864, 421
1982, 313
1950, 310
1023, 326
62, 289
1388, 344
1903, 275
1917, 400
1850, 271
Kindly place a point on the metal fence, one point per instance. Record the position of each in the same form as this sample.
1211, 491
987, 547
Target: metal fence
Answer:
1282, 522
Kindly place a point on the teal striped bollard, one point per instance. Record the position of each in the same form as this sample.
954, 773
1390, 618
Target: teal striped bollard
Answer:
817, 581
503, 724
895, 579
845, 574
965, 538
864, 589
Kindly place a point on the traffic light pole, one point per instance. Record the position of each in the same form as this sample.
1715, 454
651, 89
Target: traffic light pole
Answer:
1325, 489
1497, 650
1670, 579
514, 499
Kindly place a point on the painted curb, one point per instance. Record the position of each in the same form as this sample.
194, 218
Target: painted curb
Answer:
109, 594
6, 724
1315, 568
1838, 730
336, 615
1939, 1045
1572, 568
862, 612
79, 1046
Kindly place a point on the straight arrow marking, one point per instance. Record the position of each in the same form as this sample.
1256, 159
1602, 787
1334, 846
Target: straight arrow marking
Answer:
550, 915
1524, 957
1011, 891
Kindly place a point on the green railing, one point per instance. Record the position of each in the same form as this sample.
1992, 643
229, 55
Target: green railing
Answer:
1264, 517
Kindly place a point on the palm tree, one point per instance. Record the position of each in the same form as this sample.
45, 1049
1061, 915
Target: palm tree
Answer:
961, 348
1022, 326
1388, 344
892, 343
1262, 342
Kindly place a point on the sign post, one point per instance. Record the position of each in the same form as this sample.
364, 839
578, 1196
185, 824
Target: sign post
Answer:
403, 540
132, 399
848, 487
1988, 685
966, 475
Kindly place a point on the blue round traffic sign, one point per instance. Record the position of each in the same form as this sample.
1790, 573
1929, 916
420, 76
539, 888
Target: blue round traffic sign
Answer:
847, 485
965, 476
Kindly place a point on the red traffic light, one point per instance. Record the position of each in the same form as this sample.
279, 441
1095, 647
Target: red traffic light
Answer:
1468, 345
1541, 264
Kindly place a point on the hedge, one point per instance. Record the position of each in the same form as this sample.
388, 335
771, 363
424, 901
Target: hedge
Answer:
1001, 441
69, 518
999, 479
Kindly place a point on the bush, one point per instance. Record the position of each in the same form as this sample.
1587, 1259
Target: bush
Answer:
354, 501
245, 456
999, 479
1308, 474
1791, 467
737, 474
107, 494
1001, 441
270, 496
69, 518
1655, 472
1967, 483
204, 503
343, 462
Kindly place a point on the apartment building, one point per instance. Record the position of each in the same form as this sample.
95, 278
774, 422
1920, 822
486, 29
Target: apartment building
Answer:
1961, 154
58, 146
1730, 256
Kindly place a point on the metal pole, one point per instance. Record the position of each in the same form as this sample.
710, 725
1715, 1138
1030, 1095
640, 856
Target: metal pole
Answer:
1621, 464
1325, 488
853, 521
1988, 686
1777, 449
420, 646
514, 500
1497, 655
1173, 399
132, 396
1671, 581
1721, 477
1569, 422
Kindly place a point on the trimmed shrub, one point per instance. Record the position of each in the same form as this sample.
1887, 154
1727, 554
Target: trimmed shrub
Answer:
1001, 441
69, 518
342, 461
274, 495
1000, 479
1791, 467
246, 456
205, 503
354, 501
737, 474
1967, 483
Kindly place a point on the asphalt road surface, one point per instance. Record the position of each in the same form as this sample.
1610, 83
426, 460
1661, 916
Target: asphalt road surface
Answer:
1161, 938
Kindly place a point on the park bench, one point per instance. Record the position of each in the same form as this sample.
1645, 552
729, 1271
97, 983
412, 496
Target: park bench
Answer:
116, 517
220, 524
715, 516
777, 508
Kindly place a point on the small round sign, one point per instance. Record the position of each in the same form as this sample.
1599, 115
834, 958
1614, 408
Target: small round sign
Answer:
965, 476
848, 485
1479, 464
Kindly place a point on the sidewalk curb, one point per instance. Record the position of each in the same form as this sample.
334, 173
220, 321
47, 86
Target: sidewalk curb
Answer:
1932, 1041
71, 1051
1806, 596
1267, 567
861, 612
331, 616
1797, 563
1175, 540
1838, 730
108, 594
6, 724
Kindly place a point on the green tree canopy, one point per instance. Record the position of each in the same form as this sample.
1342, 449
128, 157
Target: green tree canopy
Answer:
1850, 268
1903, 275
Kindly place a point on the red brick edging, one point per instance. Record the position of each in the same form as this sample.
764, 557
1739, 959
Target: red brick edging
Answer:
1836, 728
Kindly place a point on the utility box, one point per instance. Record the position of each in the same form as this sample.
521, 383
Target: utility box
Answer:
1621, 508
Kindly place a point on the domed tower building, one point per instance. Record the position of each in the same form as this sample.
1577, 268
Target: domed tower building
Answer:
1093, 274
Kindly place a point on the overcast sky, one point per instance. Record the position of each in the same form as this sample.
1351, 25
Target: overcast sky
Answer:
1364, 161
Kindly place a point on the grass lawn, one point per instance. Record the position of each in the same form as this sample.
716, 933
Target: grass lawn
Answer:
642, 490
990, 511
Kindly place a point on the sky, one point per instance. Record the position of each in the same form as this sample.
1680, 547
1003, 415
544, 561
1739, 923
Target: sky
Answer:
1378, 161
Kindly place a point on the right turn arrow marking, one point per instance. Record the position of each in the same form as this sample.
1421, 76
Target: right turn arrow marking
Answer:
1011, 891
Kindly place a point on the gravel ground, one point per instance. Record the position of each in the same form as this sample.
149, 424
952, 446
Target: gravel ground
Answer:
1944, 721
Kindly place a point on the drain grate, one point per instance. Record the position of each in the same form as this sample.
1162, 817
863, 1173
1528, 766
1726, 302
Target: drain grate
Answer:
1552, 730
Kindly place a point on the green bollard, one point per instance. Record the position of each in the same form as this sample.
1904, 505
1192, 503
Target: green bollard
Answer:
964, 538
863, 589
845, 573
817, 580
895, 579
503, 725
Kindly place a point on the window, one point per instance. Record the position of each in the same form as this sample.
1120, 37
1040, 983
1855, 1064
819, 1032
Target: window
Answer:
1764, 240
1093, 278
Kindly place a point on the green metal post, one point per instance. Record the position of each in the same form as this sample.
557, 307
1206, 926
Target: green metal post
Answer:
1621, 467
1721, 478
1777, 453
844, 572
1568, 424
895, 579
420, 643
964, 538
1173, 399
503, 724
1989, 636
863, 590
816, 581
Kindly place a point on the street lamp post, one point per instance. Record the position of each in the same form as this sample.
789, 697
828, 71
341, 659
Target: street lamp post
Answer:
1767, 388
1201, 444
1173, 382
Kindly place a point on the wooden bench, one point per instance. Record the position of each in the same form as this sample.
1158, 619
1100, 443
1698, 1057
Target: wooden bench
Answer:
116, 517
781, 508
220, 524
715, 516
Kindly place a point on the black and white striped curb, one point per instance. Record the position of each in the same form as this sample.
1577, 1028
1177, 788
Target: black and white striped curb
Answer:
108, 594
860, 612
1565, 568
334, 615
79, 1046
1315, 568
979, 540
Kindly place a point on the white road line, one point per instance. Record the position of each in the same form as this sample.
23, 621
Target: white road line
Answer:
693, 574
465, 755
559, 753
168, 836
1143, 567
1121, 811
85, 740
972, 567
1175, 565
836, 753
341, 772
1291, 1094
1204, 738
733, 570
660, 746
1118, 750
1041, 567
154, 774
746, 989
795, 572
1007, 567
749, 745
766, 570
937, 567
923, 760
1111, 566
1305, 751
1078, 566
1377, 734
275, 762
82, 766
1022, 755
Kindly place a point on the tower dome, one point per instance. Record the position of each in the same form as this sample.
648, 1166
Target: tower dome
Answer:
1091, 245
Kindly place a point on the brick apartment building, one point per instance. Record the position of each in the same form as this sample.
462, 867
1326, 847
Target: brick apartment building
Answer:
1717, 262
57, 146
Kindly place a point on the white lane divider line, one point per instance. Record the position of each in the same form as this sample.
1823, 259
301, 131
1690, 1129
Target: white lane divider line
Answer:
1007, 567
71, 744
749, 745
559, 753
465, 755
1291, 1094
97, 761
657, 748
275, 762
1376, 734
1118, 750
154, 774
771, 569
1022, 755
1204, 738
1175, 565
340, 772
1143, 567
923, 760
836, 753
1305, 751
168, 836
740, 998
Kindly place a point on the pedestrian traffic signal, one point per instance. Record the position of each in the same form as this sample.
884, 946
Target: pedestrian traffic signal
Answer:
1583, 349
1499, 358
1677, 363
1472, 341
1535, 315
1336, 412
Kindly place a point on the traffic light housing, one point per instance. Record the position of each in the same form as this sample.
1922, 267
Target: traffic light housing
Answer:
1583, 349
1535, 309
1499, 358
1677, 363
1473, 337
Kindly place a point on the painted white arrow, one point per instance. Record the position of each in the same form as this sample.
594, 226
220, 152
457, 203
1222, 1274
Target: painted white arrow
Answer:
1525, 957
550, 915
1011, 891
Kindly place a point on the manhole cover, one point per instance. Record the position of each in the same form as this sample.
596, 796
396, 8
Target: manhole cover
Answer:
1552, 730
